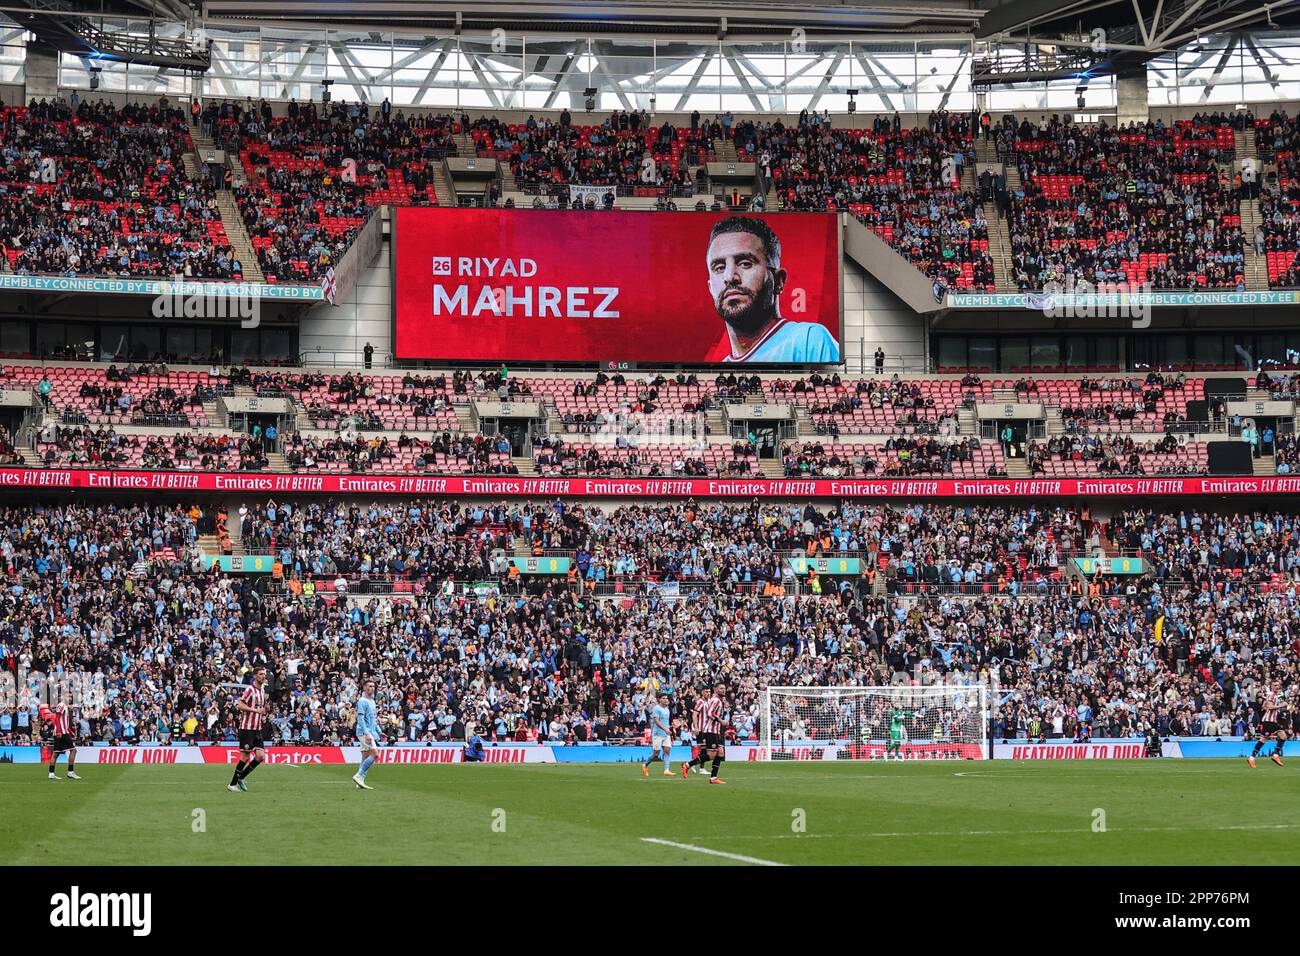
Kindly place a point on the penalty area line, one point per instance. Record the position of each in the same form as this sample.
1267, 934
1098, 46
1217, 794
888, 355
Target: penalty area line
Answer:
705, 850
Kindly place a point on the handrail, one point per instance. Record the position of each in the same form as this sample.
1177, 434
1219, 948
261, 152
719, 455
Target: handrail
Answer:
334, 358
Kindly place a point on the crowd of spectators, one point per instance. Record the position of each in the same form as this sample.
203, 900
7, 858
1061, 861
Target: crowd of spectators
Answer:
1113, 455
1098, 205
96, 189
906, 184
315, 173
1278, 236
119, 590
104, 447
625, 150
1106, 206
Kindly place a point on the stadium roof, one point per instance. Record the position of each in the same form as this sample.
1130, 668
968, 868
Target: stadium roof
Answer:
1083, 38
589, 17
1025, 40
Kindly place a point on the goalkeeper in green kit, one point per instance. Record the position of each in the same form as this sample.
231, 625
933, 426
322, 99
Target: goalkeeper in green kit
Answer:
897, 732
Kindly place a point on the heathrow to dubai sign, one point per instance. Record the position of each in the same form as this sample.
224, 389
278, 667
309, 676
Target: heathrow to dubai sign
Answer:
528, 486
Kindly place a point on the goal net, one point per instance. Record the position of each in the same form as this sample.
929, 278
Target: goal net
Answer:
936, 722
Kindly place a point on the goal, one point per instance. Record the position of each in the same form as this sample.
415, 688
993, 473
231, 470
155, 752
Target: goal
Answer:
935, 722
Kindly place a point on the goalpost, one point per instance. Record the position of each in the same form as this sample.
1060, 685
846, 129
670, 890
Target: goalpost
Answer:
935, 722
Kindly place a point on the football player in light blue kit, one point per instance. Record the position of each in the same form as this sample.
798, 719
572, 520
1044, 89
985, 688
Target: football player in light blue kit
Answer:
661, 736
367, 734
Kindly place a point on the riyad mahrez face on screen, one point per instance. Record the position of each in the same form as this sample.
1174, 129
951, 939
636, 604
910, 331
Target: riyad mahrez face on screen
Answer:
746, 281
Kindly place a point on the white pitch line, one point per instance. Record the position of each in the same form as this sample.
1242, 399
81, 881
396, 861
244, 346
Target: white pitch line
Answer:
970, 833
705, 850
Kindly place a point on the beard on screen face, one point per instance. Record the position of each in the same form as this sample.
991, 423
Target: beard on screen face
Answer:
745, 311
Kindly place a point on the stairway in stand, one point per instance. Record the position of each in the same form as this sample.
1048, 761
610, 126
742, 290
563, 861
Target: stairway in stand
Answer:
985, 151
715, 424
968, 423
999, 236
1243, 145
231, 218
442, 185
1256, 265
1000, 252
210, 544
238, 236
1018, 468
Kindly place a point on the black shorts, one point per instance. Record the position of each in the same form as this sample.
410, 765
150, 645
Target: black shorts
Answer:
62, 744
709, 741
1268, 727
250, 740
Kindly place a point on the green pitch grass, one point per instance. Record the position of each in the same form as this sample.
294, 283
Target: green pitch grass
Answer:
1159, 812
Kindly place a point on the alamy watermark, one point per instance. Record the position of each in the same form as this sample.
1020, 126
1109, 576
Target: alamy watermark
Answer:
77, 909
212, 302
1126, 301
85, 691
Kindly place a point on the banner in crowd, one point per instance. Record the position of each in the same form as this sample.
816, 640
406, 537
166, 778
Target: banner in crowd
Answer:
493, 285
241, 563
1112, 565
229, 754
578, 195
518, 485
1093, 750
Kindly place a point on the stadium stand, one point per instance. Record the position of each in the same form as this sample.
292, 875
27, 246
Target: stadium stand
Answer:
572, 668
1102, 205
115, 175
648, 426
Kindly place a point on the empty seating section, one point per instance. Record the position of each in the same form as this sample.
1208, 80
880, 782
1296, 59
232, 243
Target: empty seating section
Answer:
445, 454
99, 396
648, 458
613, 425
382, 401
668, 399
1116, 405
903, 457
1139, 458
878, 406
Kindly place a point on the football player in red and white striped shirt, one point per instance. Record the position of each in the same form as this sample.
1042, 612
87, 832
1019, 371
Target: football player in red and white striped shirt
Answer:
59, 720
707, 719
1272, 725
253, 708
